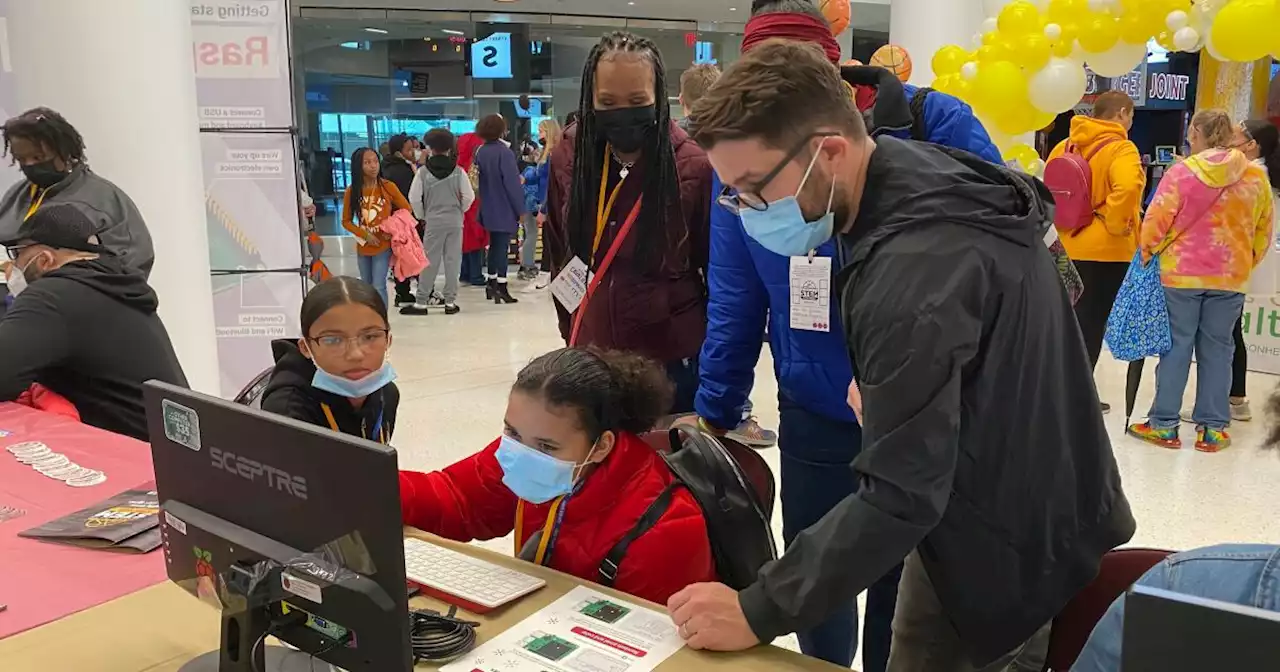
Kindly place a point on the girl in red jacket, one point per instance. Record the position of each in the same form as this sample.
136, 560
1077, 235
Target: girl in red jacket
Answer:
571, 477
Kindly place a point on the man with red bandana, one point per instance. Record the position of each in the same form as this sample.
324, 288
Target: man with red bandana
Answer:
750, 287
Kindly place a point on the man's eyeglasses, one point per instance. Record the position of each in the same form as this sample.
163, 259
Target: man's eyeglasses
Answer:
15, 251
375, 339
737, 201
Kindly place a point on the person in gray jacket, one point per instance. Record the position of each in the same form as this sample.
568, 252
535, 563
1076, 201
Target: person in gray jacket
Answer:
50, 152
440, 195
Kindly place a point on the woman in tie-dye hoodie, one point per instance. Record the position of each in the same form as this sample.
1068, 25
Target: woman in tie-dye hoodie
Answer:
1211, 223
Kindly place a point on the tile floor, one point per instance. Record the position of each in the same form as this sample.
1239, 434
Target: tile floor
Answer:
455, 373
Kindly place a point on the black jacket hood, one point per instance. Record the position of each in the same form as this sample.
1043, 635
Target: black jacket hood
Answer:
293, 369
109, 275
956, 187
442, 165
892, 111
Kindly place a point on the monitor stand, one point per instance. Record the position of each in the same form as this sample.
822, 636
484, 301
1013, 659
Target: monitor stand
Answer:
240, 637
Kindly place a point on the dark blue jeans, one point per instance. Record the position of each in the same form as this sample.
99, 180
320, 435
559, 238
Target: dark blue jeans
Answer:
473, 267
816, 454
684, 375
499, 245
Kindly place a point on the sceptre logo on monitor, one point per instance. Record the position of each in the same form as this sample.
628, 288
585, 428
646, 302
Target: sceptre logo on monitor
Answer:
257, 472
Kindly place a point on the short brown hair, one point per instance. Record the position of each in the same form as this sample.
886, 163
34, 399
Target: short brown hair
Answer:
440, 140
491, 128
1215, 127
778, 93
1109, 105
696, 81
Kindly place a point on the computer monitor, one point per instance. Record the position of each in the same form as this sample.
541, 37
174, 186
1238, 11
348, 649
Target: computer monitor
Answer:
293, 530
1170, 632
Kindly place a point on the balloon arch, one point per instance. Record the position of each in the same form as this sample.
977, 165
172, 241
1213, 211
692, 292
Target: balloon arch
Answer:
1028, 63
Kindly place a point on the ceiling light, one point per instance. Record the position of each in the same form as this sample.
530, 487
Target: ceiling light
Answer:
376, 30
448, 31
733, 9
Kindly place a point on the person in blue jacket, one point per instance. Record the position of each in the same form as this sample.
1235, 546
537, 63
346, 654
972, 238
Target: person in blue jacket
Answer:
750, 288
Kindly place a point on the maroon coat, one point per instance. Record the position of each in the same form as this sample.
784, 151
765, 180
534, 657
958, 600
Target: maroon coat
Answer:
661, 314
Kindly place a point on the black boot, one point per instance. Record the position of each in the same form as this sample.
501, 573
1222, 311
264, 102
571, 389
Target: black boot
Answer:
501, 294
489, 289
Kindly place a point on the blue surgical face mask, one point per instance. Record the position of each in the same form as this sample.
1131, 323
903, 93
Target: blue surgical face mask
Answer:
533, 475
353, 389
782, 229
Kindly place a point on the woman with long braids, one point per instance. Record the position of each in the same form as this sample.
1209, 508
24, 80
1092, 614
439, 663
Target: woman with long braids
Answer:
629, 200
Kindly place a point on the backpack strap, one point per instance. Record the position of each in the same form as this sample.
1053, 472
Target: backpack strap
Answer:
918, 130
609, 566
1098, 148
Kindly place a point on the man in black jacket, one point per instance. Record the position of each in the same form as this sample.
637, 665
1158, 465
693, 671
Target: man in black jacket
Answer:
83, 323
985, 461
400, 168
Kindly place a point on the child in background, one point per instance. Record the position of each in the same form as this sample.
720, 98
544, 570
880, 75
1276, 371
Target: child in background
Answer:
441, 195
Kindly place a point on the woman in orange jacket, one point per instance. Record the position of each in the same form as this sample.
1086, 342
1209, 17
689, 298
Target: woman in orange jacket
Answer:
368, 201
1102, 251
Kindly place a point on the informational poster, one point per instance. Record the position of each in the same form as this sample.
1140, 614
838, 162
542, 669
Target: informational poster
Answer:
584, 631
1261, 326
9, 173
241, 50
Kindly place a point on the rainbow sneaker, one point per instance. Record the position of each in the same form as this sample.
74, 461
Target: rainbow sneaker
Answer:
1212, 440
1165, 438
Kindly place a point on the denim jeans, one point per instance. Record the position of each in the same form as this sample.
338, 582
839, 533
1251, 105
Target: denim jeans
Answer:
1201, 321
529, 248
472, 267
816, 453
499, 243
1244, 574
374, 269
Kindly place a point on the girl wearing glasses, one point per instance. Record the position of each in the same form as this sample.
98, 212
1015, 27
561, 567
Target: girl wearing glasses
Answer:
337, 375
571, 477
630, 200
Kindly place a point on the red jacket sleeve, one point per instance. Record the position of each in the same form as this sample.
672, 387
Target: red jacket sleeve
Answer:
647, 570
464, 502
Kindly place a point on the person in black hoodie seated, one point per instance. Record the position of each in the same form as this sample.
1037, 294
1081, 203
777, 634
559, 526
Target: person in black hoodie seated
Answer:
337, 375
82, 323
400, 167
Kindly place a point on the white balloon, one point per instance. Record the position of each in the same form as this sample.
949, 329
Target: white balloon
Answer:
1186, 39
1177, 20
969, 71
1053, 31
977, 40
1101, 5
1058, 86
989, 25
1118, 60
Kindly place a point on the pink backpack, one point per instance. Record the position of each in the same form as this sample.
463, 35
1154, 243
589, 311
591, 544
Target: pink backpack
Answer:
1070, 180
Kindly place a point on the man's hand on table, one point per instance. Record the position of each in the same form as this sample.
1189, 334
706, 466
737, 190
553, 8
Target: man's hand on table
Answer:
708, 616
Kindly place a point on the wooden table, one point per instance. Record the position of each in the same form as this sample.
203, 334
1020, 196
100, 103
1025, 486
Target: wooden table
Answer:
160, 628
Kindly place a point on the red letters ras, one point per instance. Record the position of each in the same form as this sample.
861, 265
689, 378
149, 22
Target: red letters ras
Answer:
253, 51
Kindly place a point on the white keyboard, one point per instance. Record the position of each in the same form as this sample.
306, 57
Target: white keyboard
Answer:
441, 570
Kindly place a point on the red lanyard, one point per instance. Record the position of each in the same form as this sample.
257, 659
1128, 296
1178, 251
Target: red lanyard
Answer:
604, 267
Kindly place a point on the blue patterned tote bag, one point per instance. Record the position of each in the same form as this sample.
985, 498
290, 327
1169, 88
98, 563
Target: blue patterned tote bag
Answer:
1139, 323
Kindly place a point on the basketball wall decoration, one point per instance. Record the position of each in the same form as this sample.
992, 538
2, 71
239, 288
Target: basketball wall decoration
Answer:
838, 13
893, 58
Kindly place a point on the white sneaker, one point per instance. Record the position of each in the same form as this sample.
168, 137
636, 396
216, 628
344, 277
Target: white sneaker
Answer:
1241, 411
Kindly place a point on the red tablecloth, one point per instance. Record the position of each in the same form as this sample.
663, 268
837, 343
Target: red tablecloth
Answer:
41, 581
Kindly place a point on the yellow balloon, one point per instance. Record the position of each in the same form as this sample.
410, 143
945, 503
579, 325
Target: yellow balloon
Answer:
1000, 88
1245, 29
962, 89
1022, 153
1068, 11
997, 51
945, 83
990, 38
1020, 18
1099, 33
1165, 39
1032, 52
1041, 120
949, 60
1133, 29
1016, 119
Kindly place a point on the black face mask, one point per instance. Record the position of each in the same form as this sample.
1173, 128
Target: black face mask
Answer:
542, 142
628, 128
43, 174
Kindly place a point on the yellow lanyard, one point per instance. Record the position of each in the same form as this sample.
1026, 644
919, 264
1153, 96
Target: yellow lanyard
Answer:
548, 530
605, 207
35, 206
333, 424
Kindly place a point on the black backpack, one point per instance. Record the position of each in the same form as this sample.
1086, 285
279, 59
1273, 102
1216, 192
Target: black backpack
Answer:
918, 129
738, 522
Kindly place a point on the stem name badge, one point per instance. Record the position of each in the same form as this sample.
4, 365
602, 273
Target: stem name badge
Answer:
810, 289
181, 424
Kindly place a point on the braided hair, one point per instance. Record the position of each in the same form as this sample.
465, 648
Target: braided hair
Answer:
45, 127
661, 188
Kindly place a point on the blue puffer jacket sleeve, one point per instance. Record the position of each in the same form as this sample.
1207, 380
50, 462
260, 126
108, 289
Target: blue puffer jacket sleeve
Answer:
950, 121
544, 180
737, 308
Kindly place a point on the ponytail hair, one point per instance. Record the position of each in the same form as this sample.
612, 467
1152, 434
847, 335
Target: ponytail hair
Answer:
1214, 127
1268, 138
609, 390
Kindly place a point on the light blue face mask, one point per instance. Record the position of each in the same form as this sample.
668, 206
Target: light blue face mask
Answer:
533, 475
782, 229
354, 389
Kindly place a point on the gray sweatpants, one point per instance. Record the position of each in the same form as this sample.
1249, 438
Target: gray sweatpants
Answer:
924, 640
443, 246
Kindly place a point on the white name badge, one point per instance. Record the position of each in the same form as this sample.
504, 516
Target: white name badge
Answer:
570, 286
811, 293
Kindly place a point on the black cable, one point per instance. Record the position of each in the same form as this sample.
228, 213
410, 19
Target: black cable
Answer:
274, 628
440, 638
